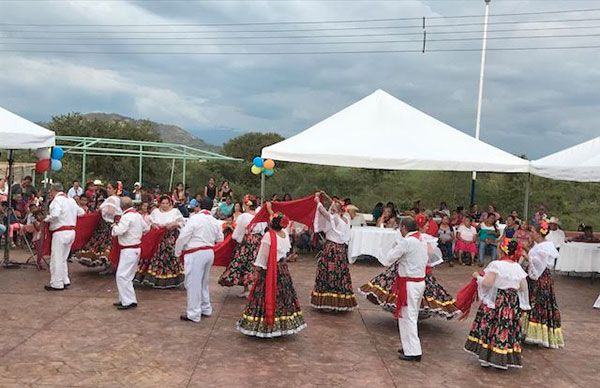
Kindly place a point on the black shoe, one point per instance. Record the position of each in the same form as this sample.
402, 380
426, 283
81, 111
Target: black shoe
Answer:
185, 318
67, 285
49, 288
129, 306
410, 358
117, 304
401, 351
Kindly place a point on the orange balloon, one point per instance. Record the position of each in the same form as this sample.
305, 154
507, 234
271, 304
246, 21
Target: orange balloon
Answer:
269, 164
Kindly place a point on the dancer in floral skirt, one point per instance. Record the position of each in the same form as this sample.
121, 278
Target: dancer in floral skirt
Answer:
333, 284
543, 324
97, 251
273, 309
496, 334
240, 269
164, 269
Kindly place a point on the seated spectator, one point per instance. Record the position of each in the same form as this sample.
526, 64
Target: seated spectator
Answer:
355, 218
238, 210
76, 190
225, 190
136, 194
488, 237
490, 210
388, 219
225, 208
377, 211
392, 206
466, 237
515, 215
474, 213
511, 228
287, 197
458, 216
445, 237
195, 202
442, 210
539, 216
523, 235
347, 201
275, 197
587, 236
556, 235
431, 226
3, 190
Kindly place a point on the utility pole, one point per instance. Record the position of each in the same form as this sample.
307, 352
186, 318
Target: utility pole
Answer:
480, 96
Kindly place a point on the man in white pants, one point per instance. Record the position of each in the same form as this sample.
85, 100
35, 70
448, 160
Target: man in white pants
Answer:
411, 253
129, 231
61, 220
195, 242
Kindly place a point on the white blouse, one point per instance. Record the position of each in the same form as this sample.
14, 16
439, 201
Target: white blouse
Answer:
283, 247
508, 275
110, 208
160, 218
541, 256
241, 225
335, 228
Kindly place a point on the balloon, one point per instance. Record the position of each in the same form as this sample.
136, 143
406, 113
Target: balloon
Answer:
258, 161
269, 164
268, 172
56, 165
42, 165
42, 153
256, 170
57, 153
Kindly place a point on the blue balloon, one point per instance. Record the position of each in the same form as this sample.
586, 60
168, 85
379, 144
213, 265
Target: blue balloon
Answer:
56, 165
258, 161
269, 172
57, 153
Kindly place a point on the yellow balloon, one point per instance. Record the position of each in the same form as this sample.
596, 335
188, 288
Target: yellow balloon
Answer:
269, 164
256, 170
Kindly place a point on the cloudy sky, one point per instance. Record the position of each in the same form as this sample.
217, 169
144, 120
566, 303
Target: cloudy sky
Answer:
536, 101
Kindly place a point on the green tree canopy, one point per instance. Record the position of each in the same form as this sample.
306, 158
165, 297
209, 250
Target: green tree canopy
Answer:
249, 145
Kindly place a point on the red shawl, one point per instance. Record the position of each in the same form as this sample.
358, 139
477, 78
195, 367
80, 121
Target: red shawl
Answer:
466, 296
301, 210
223, 252
271, 281
84, 229
149, 245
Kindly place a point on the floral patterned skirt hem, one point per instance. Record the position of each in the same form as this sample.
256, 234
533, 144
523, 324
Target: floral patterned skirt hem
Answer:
164, 269
156, 281
540, 334
93, 259
492, 358
96, 252
378, 296
437, 301
240, 269
333, 301
333, 283
288, 315
543, 324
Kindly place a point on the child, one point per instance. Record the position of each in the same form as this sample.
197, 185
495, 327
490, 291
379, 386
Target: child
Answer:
466, 236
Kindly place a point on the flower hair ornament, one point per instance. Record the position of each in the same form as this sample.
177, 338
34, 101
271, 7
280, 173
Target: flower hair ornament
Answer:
544, 227
504, 247
249, 200
284, 220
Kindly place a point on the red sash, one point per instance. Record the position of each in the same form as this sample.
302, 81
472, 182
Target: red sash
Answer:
62, 229
399, 289
271, 281
192, 250
133, 246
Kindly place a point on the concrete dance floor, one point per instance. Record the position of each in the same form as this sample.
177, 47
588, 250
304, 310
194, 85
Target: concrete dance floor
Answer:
76, 338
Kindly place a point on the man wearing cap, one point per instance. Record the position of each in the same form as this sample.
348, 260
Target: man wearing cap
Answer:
62, 218
355, 218
136, 194
555, 235
195, 243
129, 230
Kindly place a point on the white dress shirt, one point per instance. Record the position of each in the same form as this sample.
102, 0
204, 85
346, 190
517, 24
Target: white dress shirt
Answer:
411, 255
557, 237
283, 247
241, 225
63, 211
130, 228
201, 230
72, 193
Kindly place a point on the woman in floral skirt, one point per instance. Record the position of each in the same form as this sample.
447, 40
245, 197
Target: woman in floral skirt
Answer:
273, 309
97, 251
543, 324
496, 334
164, 269
333, 284
240, 269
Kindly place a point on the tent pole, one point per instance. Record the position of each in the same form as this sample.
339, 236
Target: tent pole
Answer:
184, 173
262, 188
83, 163
141, 161
172, 173
526, 202
480, 95
6, 260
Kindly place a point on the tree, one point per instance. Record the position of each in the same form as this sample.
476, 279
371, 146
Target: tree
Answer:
249, 145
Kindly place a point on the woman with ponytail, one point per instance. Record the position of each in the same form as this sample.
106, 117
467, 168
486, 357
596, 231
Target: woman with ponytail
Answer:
543, 325
273, 309
496, 334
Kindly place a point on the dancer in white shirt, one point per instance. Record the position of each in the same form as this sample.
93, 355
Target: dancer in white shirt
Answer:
62, 219
129, 231
410, 253
195, 243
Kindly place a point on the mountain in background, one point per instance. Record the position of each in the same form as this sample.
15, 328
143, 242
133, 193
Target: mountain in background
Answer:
168, 133
217, 136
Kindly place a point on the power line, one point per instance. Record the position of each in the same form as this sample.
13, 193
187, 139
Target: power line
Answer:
295, 22
297, 52
307, 30
306, 43
45, 38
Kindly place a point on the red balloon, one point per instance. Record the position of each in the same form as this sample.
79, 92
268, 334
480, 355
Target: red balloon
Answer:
42, 165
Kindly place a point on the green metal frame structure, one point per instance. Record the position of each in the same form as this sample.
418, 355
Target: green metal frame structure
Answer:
94, 146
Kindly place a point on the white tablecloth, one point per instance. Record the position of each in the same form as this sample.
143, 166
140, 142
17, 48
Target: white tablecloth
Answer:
579, 257
370, 240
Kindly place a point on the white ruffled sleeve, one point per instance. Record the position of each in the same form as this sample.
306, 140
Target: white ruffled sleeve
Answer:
524, 295
262, 257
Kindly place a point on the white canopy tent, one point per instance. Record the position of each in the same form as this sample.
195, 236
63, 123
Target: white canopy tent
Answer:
17, 133
580, 163
382, 132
